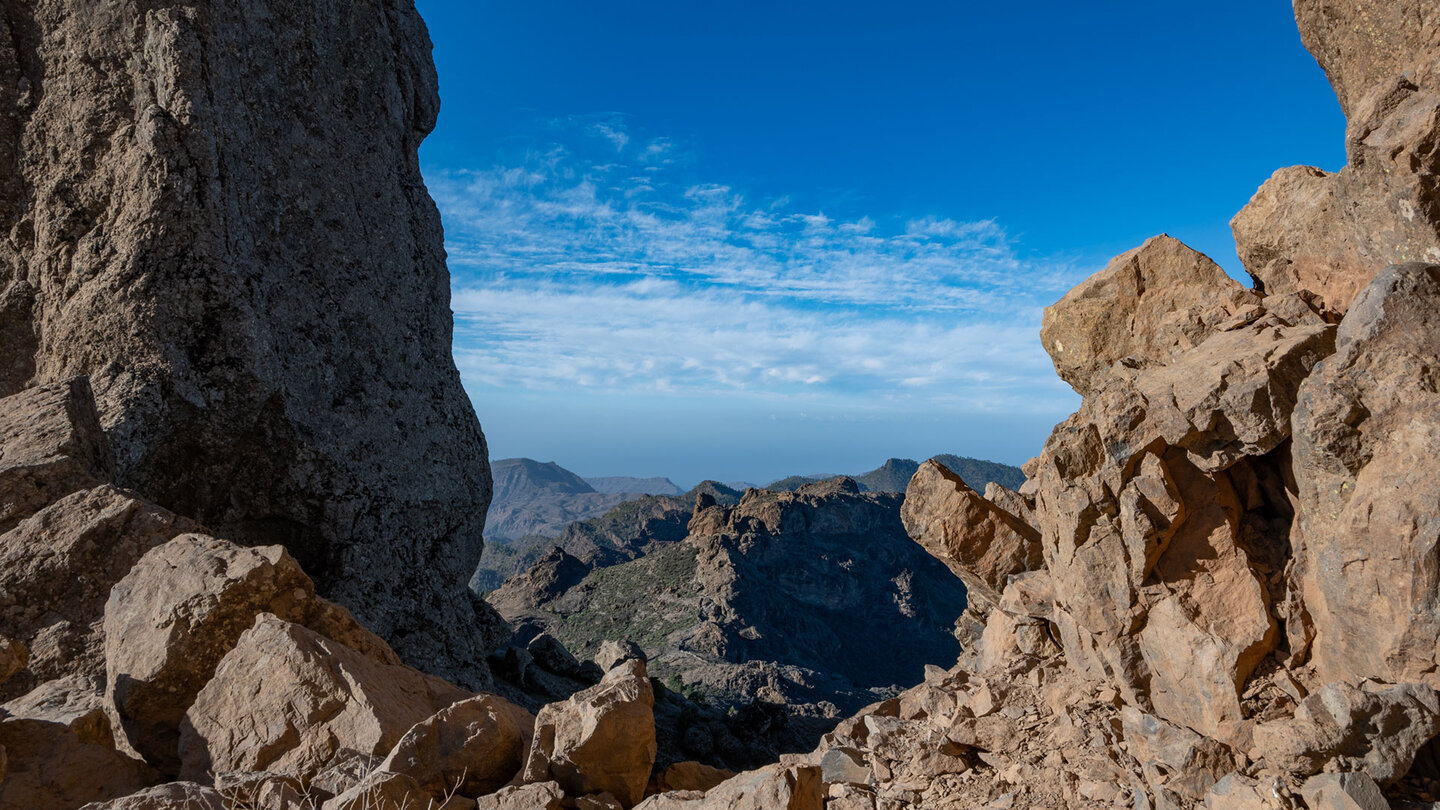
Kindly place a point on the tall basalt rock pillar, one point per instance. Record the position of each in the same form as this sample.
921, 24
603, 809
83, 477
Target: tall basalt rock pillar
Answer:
214, 209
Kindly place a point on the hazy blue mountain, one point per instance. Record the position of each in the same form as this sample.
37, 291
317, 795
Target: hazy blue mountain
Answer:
895, 474
638, 486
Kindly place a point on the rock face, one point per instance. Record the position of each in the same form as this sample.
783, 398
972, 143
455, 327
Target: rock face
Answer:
204, 203
1368, 435
68, 536
1331, 233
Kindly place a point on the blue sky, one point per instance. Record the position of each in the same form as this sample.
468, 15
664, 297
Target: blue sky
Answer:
745, 240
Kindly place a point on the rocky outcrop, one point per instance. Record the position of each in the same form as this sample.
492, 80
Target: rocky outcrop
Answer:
1148, 306
203, 203
1159, 502
1329, 234
983, 544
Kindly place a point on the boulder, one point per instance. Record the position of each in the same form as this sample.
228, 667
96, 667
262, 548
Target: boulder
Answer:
469, 748
76, 702
1376, 732
1367, 465
289, 700
51, 445
1236, 791
1146, 307
1173, 759
842, 766
538, 796
1343, 791
49, 766
601, 739
226, 311
181, 608
382, 791
550, 654
57, 568
263, 791
774, 787
169, 796
980, 542
613, 653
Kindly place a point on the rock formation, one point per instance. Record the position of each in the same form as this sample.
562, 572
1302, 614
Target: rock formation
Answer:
202, 203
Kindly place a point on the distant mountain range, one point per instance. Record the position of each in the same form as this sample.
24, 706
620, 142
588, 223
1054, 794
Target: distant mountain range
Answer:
638, 486
541, 498
895, 474
535, 499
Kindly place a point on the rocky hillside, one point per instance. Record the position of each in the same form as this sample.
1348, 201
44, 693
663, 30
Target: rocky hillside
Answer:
815, 599
203, 203
628, 530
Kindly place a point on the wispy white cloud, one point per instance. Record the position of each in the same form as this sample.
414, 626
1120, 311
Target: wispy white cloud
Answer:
612, 273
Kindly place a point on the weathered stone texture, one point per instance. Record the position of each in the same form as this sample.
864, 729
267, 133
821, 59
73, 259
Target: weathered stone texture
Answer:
202, 205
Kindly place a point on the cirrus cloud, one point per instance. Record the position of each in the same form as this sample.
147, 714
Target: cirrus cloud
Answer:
592, 264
